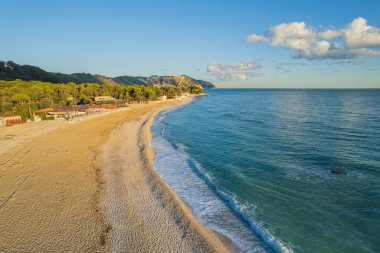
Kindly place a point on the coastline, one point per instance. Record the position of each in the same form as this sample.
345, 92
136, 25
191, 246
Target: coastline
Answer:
218, 241
59, 194
172, 228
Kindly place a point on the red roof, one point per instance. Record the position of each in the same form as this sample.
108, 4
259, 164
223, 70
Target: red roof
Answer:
94, 106
45, 110
109, 106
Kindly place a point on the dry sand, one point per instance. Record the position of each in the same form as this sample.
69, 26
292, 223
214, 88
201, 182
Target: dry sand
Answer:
90, 187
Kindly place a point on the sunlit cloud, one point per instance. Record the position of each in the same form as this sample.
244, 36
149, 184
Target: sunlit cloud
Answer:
256, 38
356, 40
242, 70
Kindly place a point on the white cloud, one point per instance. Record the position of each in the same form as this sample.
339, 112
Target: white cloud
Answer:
330, 34
242, 70
291, 35
256, 38
356, 40
359, 35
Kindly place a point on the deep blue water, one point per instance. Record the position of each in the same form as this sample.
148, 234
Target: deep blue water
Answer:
255, 165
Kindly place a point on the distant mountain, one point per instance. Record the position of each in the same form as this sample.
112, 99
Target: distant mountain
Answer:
131, 80
162, 81
11, 71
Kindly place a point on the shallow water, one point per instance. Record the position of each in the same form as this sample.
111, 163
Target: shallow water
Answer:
255, 165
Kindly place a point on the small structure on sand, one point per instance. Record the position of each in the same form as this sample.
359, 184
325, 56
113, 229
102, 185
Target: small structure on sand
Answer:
163, 98
108, 106
75, 111
10, 119
62, 112
104, 99
139, 101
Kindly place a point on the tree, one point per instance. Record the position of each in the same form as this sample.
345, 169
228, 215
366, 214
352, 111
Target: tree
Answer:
150, 94
83, 99
17, 96
20, 98
196, 89
170, 91
36, 92
158, 90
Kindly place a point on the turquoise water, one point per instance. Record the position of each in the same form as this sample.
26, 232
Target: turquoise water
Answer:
255, 165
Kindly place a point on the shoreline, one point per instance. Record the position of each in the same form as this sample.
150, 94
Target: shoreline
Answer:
56, 195
223, 243
228, 244
183, 232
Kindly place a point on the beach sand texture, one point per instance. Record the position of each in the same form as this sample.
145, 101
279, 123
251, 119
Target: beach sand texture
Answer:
90, 187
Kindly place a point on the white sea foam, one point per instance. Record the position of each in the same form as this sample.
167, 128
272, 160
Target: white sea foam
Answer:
217, 209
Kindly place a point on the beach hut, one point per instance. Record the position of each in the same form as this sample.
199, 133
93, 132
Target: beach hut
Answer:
62, 112
10, 119
45, 111
104, 99
163, 98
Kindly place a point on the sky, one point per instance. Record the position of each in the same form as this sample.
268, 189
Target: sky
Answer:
233, 44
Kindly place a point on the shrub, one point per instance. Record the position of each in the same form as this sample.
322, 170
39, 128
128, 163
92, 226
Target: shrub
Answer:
44, 117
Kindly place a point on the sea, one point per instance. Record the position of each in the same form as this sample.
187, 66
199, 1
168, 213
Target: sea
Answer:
282, 170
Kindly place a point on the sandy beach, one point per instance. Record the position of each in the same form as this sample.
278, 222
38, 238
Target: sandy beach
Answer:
90, 186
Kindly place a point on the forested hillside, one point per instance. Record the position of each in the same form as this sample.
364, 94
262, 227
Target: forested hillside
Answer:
11, 71
18, 96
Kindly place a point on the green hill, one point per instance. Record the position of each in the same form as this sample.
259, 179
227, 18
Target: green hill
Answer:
11, 71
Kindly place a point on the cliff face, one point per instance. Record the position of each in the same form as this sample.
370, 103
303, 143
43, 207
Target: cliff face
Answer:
181, 80
205, 84
11, 71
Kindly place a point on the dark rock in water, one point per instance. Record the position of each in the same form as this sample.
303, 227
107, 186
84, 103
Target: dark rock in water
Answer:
338, 171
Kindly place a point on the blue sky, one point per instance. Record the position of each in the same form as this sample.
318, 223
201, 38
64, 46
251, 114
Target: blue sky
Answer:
204, 39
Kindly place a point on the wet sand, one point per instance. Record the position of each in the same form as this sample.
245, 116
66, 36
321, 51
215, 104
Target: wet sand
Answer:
90, 187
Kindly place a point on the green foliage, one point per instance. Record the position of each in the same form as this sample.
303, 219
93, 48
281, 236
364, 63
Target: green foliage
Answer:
18, 96
171, 91
150, 94
22, 110
196, 89
44, 117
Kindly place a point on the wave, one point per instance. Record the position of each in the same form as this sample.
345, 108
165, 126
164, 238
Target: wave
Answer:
217, 208
239, 207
